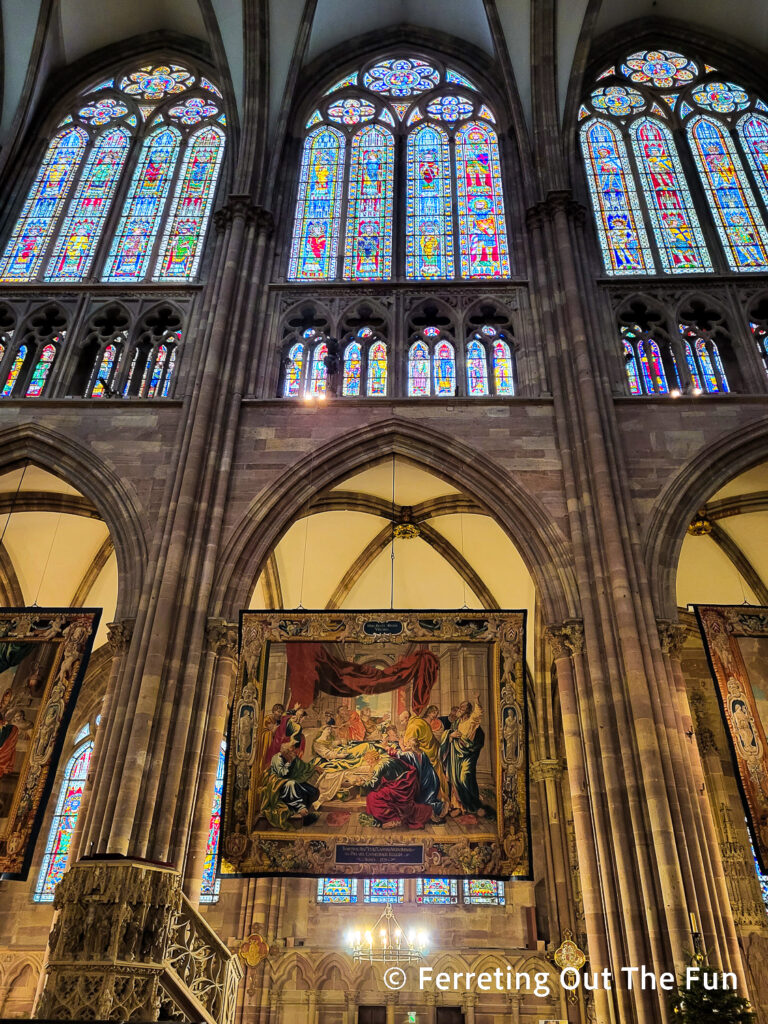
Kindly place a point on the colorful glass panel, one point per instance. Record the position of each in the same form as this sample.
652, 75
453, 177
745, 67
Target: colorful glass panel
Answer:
181, 245
104, 373
418, 370
316, 118
368, 243
353, 367
169, 372
318, 207
652, 368
318, 377
377, 370
153, 83
456, 78
437, 890
617, 100
292, 384
131, 248
63, 825
400, 109
482, 228
733, 205
415, 116
383, 890
484, 891
405, 77
719, 367
486, 113
630, 364
84, 222
662, 68
342, 83
708, 374
131, 371
102, 112
503, 377
24, 251
753, 131
337, 890
193, 111
429, 229
351, 111
209, 890
206, 84
157, 371
614, 200
386, 116
445, 369
693, 368
681, 243
723, 97
450, 108
477, 369
14, 372
40, 373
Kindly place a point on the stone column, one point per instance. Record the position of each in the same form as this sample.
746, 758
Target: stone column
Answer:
470, 1002
391, 1007
431, 1008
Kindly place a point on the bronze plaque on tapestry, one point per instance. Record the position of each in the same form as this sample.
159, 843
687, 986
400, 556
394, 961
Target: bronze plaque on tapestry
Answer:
43, 654
375, 743
736, 641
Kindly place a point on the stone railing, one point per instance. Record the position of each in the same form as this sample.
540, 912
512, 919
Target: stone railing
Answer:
201, 974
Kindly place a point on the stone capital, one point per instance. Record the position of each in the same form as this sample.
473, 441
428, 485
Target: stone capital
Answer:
119, 635
242, 207
546, 768
221, 637
672, 636
567, 638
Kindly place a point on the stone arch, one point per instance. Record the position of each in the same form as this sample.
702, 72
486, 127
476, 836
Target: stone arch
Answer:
698, 479
334, 966
539, 542
116, 501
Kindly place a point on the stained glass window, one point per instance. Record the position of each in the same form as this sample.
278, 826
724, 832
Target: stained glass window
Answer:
368, 244
437, 890
482, 230
760, 335
723, 97
353, 362
40, 373
483, 891
450, 108
351, 111
652, 368
63, 824
630, 364
377, 369
477, 369
293, 370
154, 83
693, 368
104, 373
169, 372
131, 248
24, 251
708, 374
209, 890
383, 890
79, 235
456, 78
445, 369
614, 199
662, 68
733, 206
404, 77
503, 377
429, 232
337, 890
753, 131
681, 244
318, 377
14, 372
418, 370
181, 245
318, 208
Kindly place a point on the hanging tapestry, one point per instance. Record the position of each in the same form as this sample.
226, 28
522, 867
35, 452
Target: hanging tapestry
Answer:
43, 654
378, 744
736, 641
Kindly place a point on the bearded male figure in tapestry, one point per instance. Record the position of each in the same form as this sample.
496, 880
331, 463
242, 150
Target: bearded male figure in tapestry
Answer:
358, 739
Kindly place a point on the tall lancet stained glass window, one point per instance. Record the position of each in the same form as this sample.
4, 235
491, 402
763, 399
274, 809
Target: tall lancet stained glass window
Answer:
209, 890
153, 135
318, 208
63, 824
435, 213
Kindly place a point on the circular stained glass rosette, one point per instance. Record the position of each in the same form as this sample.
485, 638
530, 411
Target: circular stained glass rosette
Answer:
723, 97
401, 77
153, 83
351, 111
103, 111
450, 108
193, 111
488, 331
617, 100
662, 68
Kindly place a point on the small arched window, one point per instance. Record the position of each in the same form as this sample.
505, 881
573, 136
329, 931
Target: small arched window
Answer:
293, 371
351, 193
40, 373
418, 370
318, 374
649, 363
704, 362
444, 363
477, 368
27, 368
353, 362
640, 113
157, 132
377, 370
